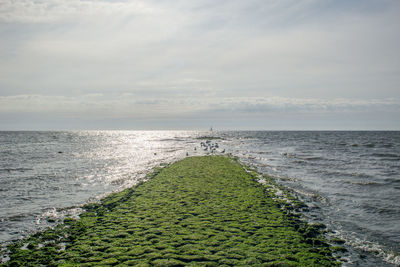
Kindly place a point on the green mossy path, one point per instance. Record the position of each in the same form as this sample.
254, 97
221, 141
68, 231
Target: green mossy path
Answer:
205, 211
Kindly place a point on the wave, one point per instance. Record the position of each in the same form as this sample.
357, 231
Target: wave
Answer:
395, 180
168, 140
15, 217
291, 179
369, 145
310, 158
312, 195
359, 175
262, 152
289, 155
361, 182
15, 169
386, 156
303, 157
386, 254
388, 211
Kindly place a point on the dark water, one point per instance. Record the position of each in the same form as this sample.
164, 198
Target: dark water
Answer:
350, 180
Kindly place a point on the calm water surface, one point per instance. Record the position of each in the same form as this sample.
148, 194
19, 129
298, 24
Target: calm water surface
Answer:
349, 180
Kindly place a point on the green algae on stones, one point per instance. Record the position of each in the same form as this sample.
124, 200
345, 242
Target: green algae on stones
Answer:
201, 211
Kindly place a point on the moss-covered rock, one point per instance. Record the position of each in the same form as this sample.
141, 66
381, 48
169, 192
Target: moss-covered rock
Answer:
206, 211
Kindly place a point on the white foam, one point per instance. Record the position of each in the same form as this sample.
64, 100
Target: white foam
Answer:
386, 254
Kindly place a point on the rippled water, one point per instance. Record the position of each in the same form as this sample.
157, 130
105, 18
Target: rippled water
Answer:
350, 180
44, 174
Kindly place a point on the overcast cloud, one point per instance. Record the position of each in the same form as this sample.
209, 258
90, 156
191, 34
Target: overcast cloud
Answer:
252, 64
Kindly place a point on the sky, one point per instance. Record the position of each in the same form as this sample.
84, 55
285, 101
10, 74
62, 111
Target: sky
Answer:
192, 64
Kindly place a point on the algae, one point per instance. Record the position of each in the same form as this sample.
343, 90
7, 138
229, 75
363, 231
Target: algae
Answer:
200, 211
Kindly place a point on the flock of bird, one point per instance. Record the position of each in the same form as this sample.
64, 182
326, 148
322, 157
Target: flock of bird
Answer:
209, 147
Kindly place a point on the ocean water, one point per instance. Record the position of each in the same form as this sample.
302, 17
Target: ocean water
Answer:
349, 180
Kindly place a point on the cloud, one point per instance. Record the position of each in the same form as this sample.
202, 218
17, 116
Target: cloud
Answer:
36, 11
128, 105
170, 59
130, 111
281, 48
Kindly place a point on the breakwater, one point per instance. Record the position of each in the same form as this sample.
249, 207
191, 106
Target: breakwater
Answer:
205, 210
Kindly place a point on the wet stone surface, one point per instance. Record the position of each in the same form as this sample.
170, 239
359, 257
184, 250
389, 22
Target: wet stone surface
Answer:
207, 211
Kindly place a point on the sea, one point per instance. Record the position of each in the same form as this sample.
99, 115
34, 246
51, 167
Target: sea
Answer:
349, 180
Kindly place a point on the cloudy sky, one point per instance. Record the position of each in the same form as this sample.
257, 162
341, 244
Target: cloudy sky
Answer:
190, 64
